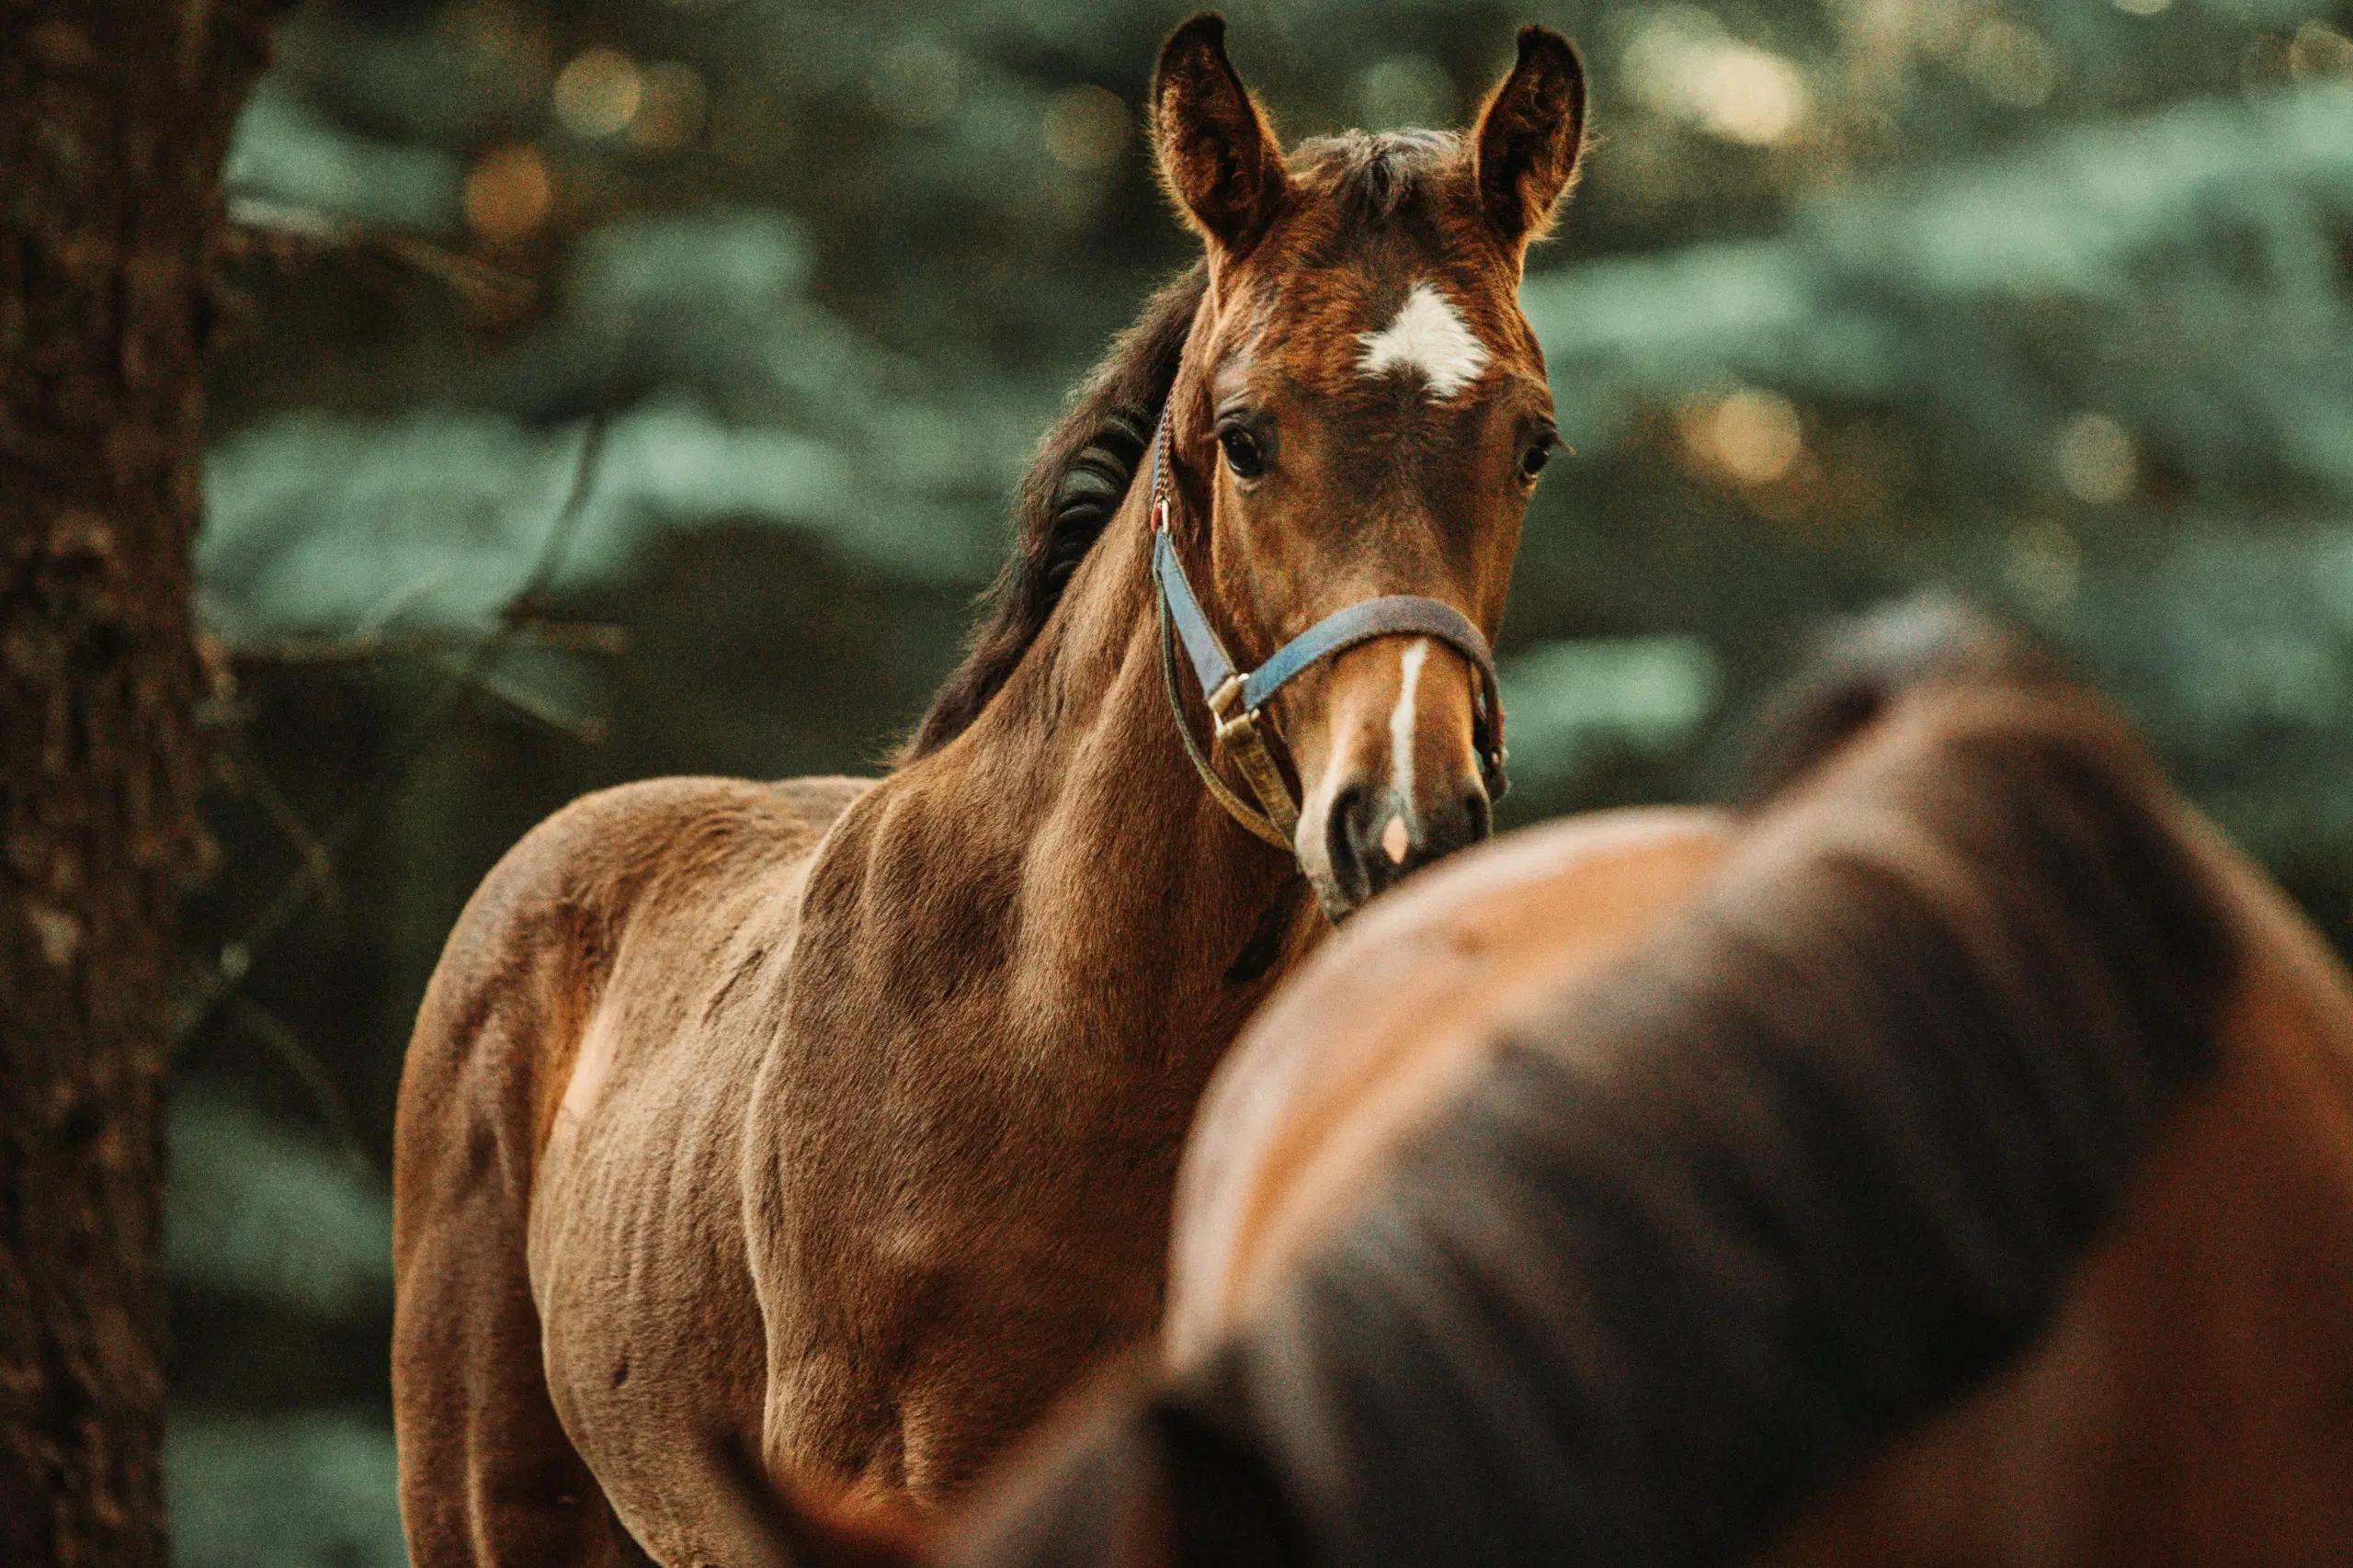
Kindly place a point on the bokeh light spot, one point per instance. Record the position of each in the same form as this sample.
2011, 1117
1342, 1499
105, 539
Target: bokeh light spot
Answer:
1754, 436
2143, 7
1682, 65
671, 110
509, 193
1086, 127
2098, 459
1747, 94
598, 93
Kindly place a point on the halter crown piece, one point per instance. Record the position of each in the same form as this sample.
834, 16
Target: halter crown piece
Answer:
1237, 699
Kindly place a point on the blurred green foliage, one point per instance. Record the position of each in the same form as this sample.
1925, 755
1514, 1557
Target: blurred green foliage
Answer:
2047, 299
317, 1488
272, 1213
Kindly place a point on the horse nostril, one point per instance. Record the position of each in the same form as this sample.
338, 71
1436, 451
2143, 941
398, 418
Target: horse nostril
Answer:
1345, 835
1478, 815
1372, 844
1449, 826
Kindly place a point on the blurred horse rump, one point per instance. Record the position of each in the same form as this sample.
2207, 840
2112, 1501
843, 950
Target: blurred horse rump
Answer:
1945, 1158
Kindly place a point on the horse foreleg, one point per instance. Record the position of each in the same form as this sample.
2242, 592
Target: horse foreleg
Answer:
488, 1478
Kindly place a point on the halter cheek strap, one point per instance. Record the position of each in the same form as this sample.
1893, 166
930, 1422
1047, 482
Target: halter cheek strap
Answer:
1236, 697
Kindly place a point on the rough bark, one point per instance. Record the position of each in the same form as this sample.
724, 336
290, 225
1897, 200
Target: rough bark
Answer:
114, 116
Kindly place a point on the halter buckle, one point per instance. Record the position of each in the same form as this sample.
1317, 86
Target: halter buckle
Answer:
1228, 695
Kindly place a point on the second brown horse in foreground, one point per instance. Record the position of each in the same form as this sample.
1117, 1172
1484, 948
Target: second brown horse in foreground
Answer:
1947, 1158
827, 1130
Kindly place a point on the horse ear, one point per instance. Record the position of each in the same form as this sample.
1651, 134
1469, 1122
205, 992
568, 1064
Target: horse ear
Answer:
1217, 152
1529, 138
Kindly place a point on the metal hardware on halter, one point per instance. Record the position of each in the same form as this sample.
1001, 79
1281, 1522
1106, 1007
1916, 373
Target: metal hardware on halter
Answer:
1236, 697
1220, 699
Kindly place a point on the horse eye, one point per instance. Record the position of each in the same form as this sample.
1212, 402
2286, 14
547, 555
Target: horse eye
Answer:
1532, 462
1242, 454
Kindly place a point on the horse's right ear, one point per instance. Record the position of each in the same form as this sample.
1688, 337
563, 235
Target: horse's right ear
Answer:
1217, 152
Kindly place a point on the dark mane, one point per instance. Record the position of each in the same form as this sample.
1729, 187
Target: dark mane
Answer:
1861, 664
1083, 468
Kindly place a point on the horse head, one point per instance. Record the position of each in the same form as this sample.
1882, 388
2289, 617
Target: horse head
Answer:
1354, 429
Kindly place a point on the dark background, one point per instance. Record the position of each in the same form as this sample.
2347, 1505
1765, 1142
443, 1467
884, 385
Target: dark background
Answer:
2046, 299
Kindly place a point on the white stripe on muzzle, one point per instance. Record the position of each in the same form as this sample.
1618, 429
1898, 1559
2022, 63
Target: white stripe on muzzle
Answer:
1396, 838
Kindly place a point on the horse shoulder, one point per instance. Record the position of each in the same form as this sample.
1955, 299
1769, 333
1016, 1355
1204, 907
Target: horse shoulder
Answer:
1384, 1025
504, 1015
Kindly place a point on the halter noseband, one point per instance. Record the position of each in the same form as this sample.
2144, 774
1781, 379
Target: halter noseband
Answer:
1236, 697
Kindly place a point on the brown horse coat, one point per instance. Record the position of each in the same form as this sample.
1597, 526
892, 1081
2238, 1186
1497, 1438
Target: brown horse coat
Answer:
827, 1130
1948, 1159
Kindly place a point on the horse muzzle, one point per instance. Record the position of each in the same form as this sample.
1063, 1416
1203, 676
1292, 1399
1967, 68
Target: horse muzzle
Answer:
1402, 782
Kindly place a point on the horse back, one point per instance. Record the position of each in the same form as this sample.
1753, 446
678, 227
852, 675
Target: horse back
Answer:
1985, 869
2191, 1404
1368, 1043
487, 1472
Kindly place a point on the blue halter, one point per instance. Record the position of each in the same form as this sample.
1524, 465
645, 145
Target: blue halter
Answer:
1236, 698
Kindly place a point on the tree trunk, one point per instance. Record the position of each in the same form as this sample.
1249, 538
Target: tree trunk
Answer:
113, 117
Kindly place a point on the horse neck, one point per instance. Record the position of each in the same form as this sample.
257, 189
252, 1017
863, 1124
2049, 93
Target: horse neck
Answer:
1096, 890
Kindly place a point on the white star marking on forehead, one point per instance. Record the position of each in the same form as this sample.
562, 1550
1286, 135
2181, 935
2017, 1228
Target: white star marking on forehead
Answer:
1428, 336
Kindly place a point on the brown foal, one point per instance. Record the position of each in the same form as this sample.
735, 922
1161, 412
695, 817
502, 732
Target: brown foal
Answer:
822, 1133
1947, 1158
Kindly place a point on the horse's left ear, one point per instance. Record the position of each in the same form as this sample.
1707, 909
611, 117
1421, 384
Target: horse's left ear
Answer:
1217, 152
1529, 138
